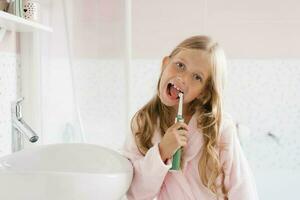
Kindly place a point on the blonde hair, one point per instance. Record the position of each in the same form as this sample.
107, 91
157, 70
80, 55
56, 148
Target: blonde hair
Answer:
209, 108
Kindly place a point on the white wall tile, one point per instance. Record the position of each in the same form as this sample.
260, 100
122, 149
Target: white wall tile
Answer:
264, 96
254, 10
102, 98
158, 26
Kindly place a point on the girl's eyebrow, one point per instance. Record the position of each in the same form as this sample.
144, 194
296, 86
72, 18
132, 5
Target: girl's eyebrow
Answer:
198, 72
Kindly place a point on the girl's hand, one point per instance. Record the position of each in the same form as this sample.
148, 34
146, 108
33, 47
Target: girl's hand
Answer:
175, 137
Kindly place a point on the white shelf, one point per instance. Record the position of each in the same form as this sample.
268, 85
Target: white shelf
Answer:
18, 24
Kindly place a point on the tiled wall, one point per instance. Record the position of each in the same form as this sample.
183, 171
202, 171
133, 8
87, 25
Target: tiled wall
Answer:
102, 98
264, 96
100, 88
10, 90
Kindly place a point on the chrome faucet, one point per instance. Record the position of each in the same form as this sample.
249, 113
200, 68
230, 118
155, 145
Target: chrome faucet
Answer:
20, 128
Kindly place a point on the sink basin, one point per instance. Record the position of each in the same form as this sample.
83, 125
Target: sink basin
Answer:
64, 172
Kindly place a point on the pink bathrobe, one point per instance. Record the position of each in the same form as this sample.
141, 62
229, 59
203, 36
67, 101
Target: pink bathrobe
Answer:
152, 178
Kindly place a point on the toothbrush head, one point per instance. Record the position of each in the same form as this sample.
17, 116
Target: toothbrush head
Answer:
180, 104
180, 95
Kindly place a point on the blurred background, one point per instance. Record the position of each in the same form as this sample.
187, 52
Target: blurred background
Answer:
102, 62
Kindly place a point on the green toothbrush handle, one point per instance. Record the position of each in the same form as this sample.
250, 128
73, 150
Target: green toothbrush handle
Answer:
177, 155
176, 160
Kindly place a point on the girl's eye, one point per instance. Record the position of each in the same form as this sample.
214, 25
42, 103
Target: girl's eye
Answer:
180, 65
197, 77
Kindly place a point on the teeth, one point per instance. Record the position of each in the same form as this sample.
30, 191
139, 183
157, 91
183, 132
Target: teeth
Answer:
176, 87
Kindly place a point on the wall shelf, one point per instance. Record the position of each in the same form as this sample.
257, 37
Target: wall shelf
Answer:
11, 22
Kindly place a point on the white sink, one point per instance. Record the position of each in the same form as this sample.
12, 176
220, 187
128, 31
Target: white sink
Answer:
64, 172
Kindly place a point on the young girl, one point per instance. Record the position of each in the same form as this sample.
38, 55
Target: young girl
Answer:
213, 165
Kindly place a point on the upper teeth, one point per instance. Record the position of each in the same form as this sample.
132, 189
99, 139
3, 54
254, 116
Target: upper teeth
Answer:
176, 87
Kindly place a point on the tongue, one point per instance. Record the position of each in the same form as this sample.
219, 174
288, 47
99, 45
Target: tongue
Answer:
174, 92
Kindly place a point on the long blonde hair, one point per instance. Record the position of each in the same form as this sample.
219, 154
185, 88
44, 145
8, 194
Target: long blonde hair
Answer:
209, 108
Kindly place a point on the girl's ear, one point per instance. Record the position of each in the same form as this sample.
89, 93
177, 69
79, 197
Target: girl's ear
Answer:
165, 62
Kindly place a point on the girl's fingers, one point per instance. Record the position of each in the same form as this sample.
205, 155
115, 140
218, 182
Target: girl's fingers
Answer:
182, 132
183, 139
181, 125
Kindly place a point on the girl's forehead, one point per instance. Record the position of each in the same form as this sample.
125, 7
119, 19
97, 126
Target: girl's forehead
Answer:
194, 59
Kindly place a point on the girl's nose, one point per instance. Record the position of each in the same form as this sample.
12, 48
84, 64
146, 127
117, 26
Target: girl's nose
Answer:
181, 79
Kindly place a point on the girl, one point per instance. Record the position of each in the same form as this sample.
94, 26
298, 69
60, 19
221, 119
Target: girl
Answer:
213, 165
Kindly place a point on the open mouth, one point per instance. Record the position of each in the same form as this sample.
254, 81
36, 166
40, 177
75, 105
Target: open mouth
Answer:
173, 91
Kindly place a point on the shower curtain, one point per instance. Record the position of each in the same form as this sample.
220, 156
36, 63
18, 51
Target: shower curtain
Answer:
84, 72
61, 119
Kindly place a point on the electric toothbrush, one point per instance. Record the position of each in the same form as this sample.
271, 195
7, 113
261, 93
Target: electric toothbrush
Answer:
179, 118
